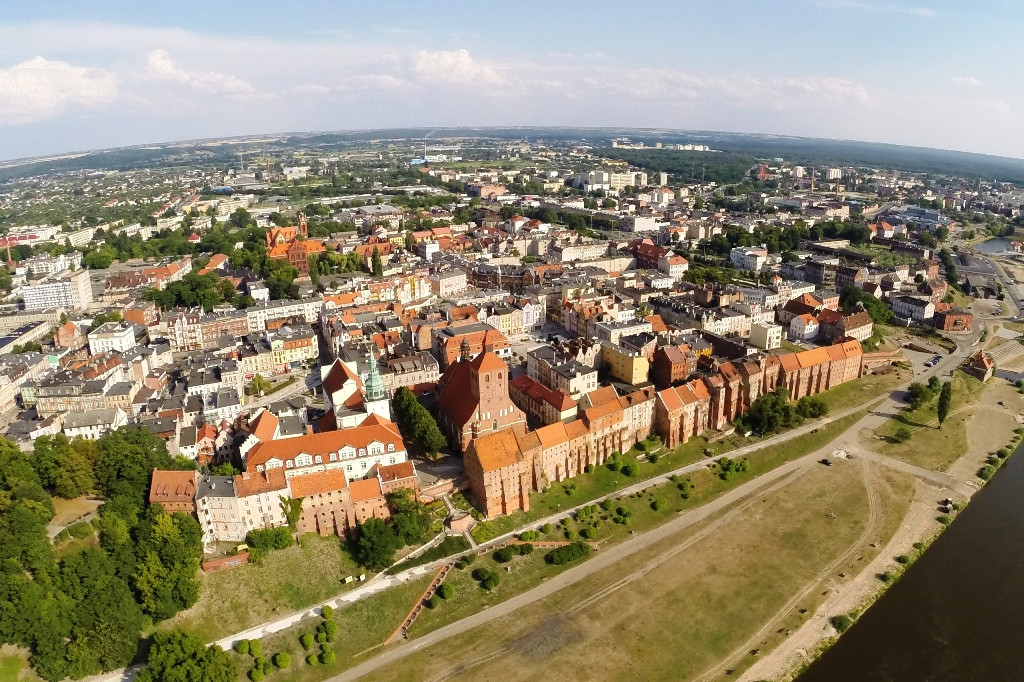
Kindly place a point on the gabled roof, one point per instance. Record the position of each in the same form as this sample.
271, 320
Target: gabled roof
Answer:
254, 483
323, 443
365, 489
497, 450
318, 483
552, 435
172, 486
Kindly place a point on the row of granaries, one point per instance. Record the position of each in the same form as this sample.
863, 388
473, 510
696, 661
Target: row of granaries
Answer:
504, 466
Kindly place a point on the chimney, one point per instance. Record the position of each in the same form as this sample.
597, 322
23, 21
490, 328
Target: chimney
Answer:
309, 429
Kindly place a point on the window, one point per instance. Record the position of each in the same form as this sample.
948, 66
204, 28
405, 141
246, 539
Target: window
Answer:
391, 447
334, 456
348, 467
495, 426
362, 452
318, 459
289, 464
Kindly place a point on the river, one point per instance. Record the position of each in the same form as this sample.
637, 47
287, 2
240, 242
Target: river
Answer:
995, 245
958, 612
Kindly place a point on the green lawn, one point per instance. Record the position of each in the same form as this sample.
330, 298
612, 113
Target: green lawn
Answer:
289, 580
364, 626
929, 446
14, 666
861, 390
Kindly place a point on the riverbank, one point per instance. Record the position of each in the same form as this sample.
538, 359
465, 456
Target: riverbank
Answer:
989, 427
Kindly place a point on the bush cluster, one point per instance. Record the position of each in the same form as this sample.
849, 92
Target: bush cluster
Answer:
568, 553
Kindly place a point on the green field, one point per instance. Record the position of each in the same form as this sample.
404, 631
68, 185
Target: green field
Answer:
291, 579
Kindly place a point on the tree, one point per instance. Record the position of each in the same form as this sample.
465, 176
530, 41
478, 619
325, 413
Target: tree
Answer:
902, 434
446, 591
918, 394
945, 398
417, 421
176, 656
283, 659
259, 386
378, 264
306, 640
376, 544
643, 312
410, 518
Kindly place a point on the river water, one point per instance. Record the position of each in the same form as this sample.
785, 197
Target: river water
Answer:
996, 245
957, 614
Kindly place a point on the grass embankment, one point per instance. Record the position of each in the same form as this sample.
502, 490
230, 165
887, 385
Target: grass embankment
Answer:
14, 666
666, 616
602, 481
929, 446
364, 626
288, 580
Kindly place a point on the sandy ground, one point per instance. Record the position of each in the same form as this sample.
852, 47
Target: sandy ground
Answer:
990, 428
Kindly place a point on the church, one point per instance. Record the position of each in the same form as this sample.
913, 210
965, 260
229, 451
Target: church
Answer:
472, 399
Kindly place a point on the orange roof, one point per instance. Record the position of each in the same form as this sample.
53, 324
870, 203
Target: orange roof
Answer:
247, 484
575, 429
812, 357
318, 482
264, 426
528, 441
395, 472
365, 489
172, 486
497, 450
322, 444
603, 395
657, 324
552, 435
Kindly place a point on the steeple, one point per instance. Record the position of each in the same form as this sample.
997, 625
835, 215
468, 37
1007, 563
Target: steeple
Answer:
374, 384
464, 352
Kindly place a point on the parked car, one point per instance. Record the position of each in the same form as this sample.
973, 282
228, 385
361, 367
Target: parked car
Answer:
826, 462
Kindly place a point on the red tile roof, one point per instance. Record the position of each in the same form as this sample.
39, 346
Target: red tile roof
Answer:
247, 484
172, 486
323, 443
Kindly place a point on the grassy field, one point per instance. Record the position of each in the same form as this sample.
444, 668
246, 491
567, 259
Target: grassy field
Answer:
929, 446
865, 388
289, 580
664, 616
364, 626
14, 665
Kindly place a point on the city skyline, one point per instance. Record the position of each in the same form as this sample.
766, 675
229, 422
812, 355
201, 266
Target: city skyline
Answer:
933, 75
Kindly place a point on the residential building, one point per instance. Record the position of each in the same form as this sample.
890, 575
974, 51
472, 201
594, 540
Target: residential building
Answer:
70, 290
765, 335
916, 309
955, 320
113, 337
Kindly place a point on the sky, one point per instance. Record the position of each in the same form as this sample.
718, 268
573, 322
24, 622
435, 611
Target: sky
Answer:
85, 75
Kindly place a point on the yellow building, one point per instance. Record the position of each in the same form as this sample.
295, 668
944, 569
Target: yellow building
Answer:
631, 368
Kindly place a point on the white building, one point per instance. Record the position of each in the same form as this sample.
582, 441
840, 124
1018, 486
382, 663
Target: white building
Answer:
765, 336
672, 265
72, 291
748, 258
917, 309
116, 337
803, 327
93, 424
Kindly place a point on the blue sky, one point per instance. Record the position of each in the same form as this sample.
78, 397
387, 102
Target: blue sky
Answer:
76, 75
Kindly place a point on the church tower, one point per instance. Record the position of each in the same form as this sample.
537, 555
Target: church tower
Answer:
376, 400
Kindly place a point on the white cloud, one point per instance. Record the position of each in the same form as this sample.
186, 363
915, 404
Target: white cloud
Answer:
455, 67
160, 66
39, 89
969, 81
878, 8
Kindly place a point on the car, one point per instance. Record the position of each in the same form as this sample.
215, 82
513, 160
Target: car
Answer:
826, 462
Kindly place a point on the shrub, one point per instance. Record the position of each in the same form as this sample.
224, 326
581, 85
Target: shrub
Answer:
306, 640
607, 504
313, 659
446, 591
431, 602
841, 623
588, 533
945, 519
887, 577
528, 535
492, 581
328, 657
469, 559
615, 455
568, 553
659, 504
546, 529
525, 549
652, 458
331, 628
283, 659
242, 647
481, 574
902, 434
986, 472
256, 675
613, 464
629, 470
505, 554
80, 530
255, 648
588, 469
327, 612
1002, 453
460, 565
321, 637
903, 559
